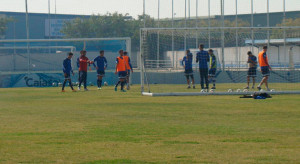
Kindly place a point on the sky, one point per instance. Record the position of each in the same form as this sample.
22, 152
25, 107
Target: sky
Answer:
135, 7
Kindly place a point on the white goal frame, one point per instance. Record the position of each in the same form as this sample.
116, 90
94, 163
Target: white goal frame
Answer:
143, 70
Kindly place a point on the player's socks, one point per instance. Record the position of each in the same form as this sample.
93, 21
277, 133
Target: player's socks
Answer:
64, 84
71, 85
117, 84
100, 83
214, 82
122, 85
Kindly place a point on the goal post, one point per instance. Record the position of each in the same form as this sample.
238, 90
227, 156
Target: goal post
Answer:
162, 50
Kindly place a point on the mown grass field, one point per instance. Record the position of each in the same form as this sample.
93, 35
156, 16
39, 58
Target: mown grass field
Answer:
47, 126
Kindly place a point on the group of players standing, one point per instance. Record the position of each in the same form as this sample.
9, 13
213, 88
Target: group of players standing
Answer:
123, 69
208, 71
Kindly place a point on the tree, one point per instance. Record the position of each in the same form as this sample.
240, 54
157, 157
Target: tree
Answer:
108, 25
118, 25
290, 33
3, 25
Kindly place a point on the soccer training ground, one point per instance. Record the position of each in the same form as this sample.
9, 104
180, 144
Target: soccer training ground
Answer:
43, 125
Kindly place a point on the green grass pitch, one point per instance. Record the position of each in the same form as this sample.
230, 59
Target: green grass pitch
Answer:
43, 125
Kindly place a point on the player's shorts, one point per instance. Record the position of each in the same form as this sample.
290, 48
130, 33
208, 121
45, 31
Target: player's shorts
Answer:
212, 72
68, 76
100, 73
122, 74
252, 72
188, 72
265, 71
128, 72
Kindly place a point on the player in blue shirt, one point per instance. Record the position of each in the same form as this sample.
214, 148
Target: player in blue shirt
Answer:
203, 58
187, 63
101, 67
252, 61
67, 69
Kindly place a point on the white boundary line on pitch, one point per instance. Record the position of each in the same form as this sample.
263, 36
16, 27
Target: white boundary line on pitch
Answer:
216, 93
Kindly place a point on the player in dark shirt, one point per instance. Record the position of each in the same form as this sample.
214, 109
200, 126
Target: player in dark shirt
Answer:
101, 67
203, 58
67, 69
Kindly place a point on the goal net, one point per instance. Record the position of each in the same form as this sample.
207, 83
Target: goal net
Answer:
163, 49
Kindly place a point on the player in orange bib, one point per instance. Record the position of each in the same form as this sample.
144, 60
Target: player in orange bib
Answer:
265, 67
121, 70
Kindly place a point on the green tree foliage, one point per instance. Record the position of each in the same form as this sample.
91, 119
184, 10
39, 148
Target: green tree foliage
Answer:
290, 33
104, 26
118, 25
3, 25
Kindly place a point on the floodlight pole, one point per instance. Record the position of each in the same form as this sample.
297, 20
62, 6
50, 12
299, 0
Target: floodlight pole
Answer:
284, 32
49, 25
236, 34
252, 24
185, 25
158, 25
223, 35
189, 9
27, 36
144, 12
197, 40
209, 37
268, 22
173, 57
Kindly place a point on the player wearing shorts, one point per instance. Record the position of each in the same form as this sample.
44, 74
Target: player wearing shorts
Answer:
252, 62
129, 69
187, 63
265, 67
212, 68
203, 58
67, 69
121, 70
101, 67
